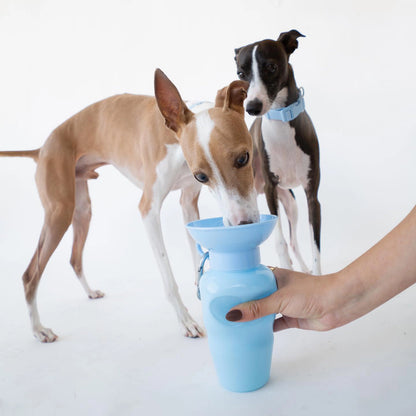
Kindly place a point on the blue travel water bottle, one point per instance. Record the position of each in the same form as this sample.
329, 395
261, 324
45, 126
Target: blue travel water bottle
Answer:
242, 351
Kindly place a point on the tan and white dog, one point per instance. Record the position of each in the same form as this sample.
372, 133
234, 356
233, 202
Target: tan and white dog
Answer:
160, 145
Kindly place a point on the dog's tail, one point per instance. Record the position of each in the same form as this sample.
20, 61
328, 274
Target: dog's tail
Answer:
34, 154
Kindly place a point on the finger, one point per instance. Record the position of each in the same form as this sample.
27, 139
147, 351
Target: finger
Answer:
254, 309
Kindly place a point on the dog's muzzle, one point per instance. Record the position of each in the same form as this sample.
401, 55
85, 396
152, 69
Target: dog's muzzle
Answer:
254, 107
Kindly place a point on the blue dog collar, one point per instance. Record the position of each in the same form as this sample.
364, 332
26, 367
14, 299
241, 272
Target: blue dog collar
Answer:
290, 112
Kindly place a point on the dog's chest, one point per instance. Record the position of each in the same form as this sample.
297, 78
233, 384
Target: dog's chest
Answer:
287, 160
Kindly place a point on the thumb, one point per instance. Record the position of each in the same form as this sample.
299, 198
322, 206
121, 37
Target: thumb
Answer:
254, 309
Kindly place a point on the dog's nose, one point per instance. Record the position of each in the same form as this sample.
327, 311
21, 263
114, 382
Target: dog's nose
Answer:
254, 107
245, 222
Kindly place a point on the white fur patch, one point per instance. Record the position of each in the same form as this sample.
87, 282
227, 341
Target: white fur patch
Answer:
204, 125
257, 89
287, 160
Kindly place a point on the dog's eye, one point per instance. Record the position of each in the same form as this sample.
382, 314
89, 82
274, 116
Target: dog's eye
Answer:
241, 75
201, 177
242, 160
271, 67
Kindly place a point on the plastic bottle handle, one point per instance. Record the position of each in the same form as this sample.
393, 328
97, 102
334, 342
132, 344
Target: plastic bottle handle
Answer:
205, 256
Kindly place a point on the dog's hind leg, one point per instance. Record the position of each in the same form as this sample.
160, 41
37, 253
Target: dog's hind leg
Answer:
56, 185
190, 212
287, 198
314, 208
80, 224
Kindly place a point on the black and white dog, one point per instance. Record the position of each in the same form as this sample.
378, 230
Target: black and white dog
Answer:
286, 146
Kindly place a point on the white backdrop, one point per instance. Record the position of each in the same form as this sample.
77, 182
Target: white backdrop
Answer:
357, 66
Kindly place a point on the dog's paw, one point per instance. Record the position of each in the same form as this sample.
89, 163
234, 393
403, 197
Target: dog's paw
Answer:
45, 335
192, 329
96, 294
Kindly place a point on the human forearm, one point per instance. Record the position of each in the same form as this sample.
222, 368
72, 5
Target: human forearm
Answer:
329, 301
382, 272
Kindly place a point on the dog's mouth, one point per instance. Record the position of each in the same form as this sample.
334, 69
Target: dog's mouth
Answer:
245, 222
235, 222
239, 209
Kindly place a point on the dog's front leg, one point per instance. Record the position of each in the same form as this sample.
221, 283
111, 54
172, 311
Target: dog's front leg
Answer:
271, 191
151, 221
281, 245
271, 182
190, 212
287, 198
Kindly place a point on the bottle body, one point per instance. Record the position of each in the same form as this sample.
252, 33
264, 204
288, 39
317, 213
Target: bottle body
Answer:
242, 351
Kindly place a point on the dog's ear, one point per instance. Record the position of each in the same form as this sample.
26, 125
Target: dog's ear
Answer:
289, 40
220, 98
170, 103
237, 51
233, 96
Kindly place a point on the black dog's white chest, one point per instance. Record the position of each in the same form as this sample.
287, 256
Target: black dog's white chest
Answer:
287, 160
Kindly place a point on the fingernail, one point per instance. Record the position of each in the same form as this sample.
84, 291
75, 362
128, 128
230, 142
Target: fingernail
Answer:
234, 315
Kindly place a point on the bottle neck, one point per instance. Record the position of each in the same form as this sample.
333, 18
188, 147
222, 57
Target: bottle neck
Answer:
235, 260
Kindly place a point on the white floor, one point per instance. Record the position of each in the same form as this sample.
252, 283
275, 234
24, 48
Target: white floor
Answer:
124, 354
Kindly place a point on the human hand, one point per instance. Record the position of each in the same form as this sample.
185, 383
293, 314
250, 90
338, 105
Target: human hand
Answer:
305, 301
